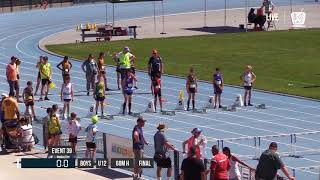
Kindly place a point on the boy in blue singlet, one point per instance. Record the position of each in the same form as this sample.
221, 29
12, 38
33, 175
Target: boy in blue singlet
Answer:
128, 91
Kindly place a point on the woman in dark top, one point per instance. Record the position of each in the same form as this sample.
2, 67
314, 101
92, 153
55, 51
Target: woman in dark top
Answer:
251, 16
192, 168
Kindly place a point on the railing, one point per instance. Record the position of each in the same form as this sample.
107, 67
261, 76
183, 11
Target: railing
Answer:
109, 145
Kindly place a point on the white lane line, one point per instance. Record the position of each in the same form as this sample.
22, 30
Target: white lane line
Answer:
207, 88
205, 126
271, 114
260, 120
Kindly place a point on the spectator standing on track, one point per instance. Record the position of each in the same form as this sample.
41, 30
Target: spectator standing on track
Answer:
27, 139
128, 91
156, 87
28, 99
138, 142
192, 88
248, 78
66, 94
18, 64
74, 128
12, 78
3, 97
133, 69
218, 87
234, 172
155, 67
46, 130
90, 68
92, 130
197, 141
269, 163
99, 94
117, 61
45, 73
65, 67
10, 108
39, 63
102, 69
54, 129
125, 58
161, 156
219, 165
56, 111
192, 168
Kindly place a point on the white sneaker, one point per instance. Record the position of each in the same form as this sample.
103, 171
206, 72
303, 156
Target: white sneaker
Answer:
64, 117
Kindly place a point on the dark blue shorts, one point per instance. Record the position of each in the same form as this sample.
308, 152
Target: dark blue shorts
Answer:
128, 92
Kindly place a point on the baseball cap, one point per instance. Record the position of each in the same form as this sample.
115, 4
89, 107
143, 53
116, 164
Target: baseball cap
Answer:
94, 119
161, 126
273, 145
4, 95
140, 119
73, 115
249, 67
126, 48
196, 130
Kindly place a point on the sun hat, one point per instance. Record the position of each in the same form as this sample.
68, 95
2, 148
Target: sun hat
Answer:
140, 119
196, 130
161, 127
94, 119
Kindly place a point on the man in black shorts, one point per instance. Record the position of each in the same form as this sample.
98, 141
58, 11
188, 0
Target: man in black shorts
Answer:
117, 61
155, 66
161, 156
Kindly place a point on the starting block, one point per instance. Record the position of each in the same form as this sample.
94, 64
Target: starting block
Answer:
200, 111
210, 104
150, 108
91, 111
135, 115
168, 113
229, 108
107, 117
261, 106
180, 106
238, 101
